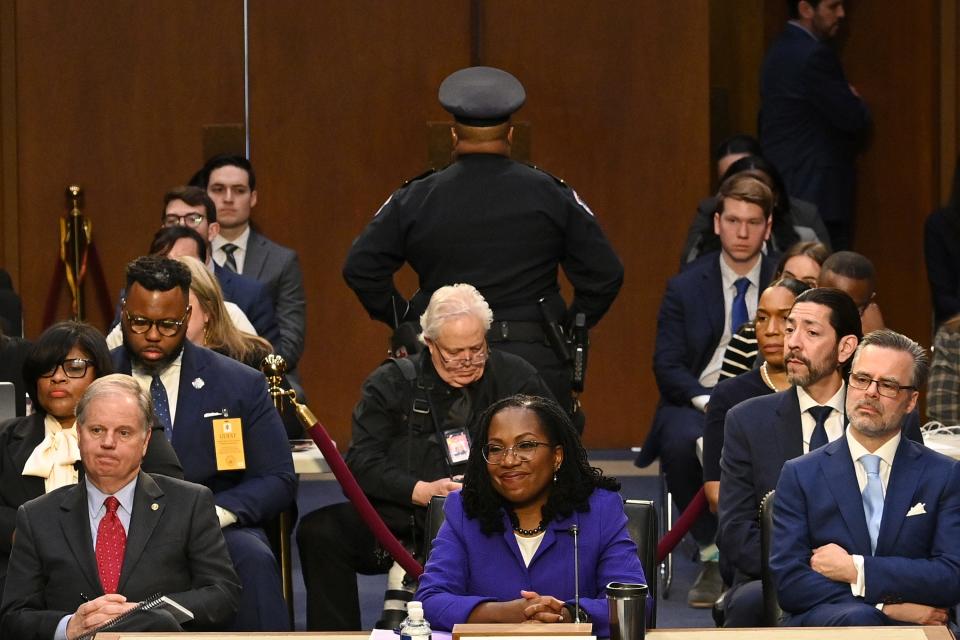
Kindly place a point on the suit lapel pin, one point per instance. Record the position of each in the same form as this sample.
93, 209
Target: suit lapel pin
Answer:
154, 506
198, 383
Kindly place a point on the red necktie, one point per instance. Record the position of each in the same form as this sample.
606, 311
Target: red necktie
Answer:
111, 543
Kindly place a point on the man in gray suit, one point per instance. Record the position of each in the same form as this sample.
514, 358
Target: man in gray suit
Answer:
232, 184
87, 553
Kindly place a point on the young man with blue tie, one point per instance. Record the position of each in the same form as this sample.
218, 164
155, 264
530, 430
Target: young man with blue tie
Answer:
701, 308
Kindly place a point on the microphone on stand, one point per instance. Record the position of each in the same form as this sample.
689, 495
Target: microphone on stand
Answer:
575, 532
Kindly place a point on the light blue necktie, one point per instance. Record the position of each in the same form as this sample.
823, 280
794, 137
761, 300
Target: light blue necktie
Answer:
872, 498
738, 312
161, 406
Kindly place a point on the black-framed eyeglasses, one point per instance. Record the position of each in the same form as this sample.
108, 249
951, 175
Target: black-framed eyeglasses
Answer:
167, 327
72, 368
472, 358
524, 451
886, 388
188, 219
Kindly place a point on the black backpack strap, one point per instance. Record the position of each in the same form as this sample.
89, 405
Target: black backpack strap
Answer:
420, 407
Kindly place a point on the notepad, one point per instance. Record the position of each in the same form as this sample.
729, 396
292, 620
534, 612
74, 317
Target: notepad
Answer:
154, 603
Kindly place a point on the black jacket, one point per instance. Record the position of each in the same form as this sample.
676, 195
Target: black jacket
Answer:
390, 453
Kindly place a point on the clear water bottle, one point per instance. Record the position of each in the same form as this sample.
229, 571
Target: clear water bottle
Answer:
415, 627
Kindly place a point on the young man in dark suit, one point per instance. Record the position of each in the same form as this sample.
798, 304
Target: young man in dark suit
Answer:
207, 401
866, 527
86, 553
701, 308
812, 121
232, 185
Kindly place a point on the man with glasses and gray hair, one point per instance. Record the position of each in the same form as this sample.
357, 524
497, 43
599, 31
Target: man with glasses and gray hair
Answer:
866, 527
411, 438
222, 424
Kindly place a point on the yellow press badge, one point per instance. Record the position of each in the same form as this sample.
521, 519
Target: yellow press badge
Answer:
228, 442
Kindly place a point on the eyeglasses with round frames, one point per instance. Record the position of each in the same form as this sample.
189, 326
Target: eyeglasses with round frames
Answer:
72, 368
167, 327
524, 451
463, 362
187, 219
886, 388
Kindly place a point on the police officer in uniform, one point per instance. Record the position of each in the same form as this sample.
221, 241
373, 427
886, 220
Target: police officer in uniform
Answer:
497, 224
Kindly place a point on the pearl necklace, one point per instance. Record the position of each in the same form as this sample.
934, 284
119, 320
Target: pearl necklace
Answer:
530, 532
766, 377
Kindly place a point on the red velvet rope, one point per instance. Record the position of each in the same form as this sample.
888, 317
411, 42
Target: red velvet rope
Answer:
673, 537
353, 491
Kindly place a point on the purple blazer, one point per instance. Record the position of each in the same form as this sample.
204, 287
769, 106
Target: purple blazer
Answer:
467, 568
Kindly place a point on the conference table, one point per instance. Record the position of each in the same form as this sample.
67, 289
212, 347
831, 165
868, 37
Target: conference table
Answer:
777, 633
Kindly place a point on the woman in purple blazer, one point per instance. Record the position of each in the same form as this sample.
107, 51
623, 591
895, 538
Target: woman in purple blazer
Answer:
505, 552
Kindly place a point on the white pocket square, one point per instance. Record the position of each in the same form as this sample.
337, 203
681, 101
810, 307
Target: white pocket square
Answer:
917, 509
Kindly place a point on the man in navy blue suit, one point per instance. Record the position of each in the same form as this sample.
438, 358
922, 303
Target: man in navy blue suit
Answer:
701, 307
866, 527
812, 121
760, 434
222, 424
192, 207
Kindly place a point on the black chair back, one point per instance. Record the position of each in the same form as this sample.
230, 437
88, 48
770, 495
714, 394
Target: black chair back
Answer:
435, 518
771, 607
644, 528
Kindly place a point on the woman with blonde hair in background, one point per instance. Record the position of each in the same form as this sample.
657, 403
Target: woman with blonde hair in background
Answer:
210, 325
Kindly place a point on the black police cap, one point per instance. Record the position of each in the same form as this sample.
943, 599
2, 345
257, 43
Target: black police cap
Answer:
481, 96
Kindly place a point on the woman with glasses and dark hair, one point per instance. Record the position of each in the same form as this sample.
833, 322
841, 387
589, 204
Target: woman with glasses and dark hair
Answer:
767, 330
505, 552
39, 452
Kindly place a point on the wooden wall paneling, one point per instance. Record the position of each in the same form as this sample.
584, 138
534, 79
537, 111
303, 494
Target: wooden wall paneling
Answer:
9, 249
949, 77
340, 96
890, 56
113, 96
617, 97
736, 51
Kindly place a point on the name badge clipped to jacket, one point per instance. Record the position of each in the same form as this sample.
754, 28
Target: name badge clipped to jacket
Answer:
458, 445
228, 443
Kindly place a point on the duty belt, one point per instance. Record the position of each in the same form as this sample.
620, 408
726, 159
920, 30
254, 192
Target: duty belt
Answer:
516, 331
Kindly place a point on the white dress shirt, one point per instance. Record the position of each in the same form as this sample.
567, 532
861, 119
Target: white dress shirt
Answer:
711, 373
